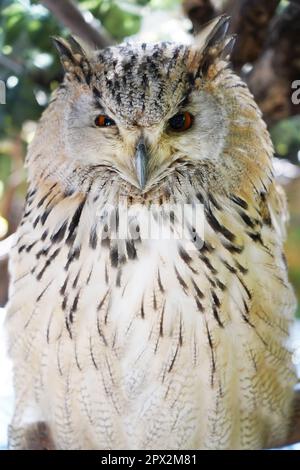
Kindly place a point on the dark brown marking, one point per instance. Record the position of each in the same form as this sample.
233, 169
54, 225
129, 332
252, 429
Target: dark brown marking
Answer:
248, 221
265, 212
75, 221
211, 281
29, 247
256, 237
47, 264
220, 285
173, 360
198, 291
213, 362
161, 322
36, 221
181, 281
180, 332
76, 358
101, 303
199, 305
200, 198
68, 327
41, 202
246, 307
284, 260
43, 291
207, 247
214, 201
72, 256
43, 252
228, 266
26, 214
44, 235
93, 238
241, 268
97, 93
161, 288
142, 310
119, 277
184, 255
59, 235
64, 302
114, 256
100, 332
74, 307
130, 248
215, 224
92, 355
45, 216
216, 299
216, 316
63, 288
154, 301
208, 264
239, 201
74, 285
232, 248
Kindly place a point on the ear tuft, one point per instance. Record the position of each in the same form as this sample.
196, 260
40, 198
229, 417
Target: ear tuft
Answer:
212, 43
217, 31
229, 44
76, 47
64, 50
73, 58
213, 32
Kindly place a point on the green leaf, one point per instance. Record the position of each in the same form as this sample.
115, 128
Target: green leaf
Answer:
119, 23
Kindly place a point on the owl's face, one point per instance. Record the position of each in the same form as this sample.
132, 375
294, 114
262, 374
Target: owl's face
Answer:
142, 112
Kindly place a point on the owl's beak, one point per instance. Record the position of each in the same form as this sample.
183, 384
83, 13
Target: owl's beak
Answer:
141, 162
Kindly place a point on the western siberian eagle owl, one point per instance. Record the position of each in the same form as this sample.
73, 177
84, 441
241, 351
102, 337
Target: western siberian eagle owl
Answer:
136, 341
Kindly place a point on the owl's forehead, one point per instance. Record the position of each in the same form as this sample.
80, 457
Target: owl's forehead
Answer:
141, 82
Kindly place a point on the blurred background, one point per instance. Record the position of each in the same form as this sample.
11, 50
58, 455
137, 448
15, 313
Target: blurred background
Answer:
267, 56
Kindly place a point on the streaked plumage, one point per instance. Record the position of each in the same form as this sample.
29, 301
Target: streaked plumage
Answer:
144, 344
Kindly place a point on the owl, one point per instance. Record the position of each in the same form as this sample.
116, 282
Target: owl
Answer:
125, 331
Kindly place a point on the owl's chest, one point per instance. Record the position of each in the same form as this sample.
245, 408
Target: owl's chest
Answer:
126, 289
142, 309
158, 284
141, 337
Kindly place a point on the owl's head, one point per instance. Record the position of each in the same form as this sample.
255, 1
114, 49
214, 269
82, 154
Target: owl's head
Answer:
144, 110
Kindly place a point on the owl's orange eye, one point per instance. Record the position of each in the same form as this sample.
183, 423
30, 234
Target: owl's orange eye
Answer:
181, 122
104, 121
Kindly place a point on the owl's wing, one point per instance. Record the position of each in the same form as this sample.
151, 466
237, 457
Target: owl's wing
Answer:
258, 305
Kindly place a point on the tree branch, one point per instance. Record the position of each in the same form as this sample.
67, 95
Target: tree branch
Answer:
11, 65
250, 22
199, 12
69, 15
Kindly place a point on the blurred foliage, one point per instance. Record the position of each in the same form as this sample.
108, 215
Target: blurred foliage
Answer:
31, 70
286, 138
